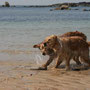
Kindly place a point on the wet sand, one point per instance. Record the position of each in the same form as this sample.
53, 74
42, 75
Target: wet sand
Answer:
16, 75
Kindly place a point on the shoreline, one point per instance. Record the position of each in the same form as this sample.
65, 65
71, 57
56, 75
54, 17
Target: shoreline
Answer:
70, 4
16, 75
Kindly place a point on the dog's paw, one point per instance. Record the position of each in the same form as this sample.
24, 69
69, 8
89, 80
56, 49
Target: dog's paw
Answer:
42, 68
68, 69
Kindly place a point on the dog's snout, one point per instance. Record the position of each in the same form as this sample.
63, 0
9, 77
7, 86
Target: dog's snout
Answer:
43, 54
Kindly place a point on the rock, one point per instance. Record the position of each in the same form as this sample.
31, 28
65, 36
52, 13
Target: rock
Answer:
58, 8
72, 4
76, 9
7, 4
51, 9
3, 5
31, 74
84, 3
85, 9
63, 7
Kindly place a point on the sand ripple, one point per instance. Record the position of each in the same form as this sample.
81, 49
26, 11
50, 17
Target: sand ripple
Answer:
16, 75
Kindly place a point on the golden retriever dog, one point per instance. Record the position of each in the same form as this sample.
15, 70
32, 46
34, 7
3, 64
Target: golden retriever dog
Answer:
75, 33
66, 48
51, 53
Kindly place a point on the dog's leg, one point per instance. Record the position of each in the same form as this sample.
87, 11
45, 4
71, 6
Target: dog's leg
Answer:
76, 59
48, 62
68, 63
85, 57
58, 61
86, 60
44, 66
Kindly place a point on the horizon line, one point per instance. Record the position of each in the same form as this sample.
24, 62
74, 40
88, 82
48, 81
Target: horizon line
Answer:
41, 4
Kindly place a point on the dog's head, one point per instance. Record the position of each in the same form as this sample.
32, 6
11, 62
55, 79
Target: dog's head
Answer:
44, 48
46, 51
50, 41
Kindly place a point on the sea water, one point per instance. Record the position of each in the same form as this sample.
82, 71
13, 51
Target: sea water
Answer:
21, 28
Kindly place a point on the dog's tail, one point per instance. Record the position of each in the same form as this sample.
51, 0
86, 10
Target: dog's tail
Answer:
88, 43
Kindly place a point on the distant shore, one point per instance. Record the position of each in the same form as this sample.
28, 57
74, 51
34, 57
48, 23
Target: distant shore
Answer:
87, 4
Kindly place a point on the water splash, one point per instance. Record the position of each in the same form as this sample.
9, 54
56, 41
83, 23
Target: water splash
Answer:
38, 59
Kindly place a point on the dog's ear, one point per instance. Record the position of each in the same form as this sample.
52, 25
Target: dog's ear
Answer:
36, 46
54, 37
53, 40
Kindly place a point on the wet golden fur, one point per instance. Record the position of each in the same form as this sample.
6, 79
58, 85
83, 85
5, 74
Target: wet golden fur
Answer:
67, 48
52, 53
75, 33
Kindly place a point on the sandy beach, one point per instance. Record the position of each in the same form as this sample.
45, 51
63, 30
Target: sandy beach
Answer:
22, 27
17, 75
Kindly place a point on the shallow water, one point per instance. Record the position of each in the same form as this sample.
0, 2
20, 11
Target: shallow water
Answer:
21, 28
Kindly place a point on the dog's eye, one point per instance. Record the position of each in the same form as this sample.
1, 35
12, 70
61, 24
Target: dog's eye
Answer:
45, 44
39, 47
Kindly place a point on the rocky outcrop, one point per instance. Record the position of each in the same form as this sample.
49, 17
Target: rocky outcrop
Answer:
67, 4
63, 7
84, 3
7, 4
3, 5
72, 4
86, 9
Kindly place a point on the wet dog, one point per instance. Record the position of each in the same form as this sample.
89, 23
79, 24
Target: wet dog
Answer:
51, 52
67, 48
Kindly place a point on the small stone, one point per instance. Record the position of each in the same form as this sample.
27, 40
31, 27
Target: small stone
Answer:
30, 74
